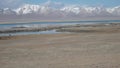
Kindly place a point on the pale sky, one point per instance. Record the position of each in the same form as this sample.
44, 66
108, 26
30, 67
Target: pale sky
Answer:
16, 3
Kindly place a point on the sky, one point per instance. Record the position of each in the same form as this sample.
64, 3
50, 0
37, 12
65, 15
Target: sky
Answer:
17, 3
108, 3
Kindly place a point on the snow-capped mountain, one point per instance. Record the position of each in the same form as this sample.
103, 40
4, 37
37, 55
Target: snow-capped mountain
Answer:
27, 9
73, 9
7, 11
48, 11
76, 10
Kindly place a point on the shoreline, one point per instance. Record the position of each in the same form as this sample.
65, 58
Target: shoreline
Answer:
75, 28
20, 22
77, 49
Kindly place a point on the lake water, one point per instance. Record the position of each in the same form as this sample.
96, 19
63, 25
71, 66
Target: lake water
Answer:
45, 24
28, 33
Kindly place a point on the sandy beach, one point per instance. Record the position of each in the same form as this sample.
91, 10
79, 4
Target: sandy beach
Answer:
83, 47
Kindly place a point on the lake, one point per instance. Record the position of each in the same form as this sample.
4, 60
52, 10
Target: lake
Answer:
45, 24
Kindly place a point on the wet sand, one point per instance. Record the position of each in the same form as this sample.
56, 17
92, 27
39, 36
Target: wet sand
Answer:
100, 49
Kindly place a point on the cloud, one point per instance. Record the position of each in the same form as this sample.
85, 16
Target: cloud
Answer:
53, 4
10, 3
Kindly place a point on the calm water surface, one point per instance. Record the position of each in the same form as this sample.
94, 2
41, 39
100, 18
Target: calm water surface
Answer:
45, 24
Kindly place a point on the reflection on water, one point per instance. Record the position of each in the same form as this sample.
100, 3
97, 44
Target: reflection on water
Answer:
27, 33
45, 24
4, 27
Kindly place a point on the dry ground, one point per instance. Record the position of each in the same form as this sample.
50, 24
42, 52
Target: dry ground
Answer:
66, 50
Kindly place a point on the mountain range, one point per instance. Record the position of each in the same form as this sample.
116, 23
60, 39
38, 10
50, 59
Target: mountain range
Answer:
58, 11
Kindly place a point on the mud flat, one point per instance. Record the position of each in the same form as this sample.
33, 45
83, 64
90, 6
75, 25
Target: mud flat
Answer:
92, 28
100, 49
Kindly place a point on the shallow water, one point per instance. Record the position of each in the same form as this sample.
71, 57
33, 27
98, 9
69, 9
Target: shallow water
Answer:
45, 24
28, 33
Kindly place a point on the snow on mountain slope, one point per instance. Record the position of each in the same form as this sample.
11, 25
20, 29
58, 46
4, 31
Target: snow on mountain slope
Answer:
49, 9
7, 11
26, 9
